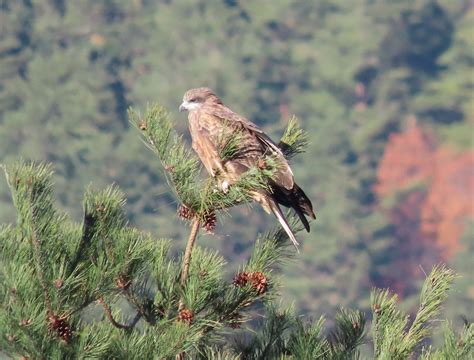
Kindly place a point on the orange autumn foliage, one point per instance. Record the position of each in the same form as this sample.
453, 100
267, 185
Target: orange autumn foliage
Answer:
411, 158
450, 200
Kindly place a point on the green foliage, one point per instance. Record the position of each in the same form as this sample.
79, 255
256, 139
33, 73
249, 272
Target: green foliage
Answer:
181, 164
282, 335
55, 272
107, 262
306, 341
348, 334
294, 140
272, 248
392, 337
59, 270
455, 346
66, 81
228, 144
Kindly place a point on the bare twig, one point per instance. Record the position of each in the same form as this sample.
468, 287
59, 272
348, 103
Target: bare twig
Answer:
108, 312
186, 262
189, 249
187, 255
87, 227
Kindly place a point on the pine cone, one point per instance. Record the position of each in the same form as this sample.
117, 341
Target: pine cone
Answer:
259, 282
185, 316
123, 282
25, 322
210, 221
61, 327
185, 213
58, 283
142, 125
203, 274
377, 309
241, 279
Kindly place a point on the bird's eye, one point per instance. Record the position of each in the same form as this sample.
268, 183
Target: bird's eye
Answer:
192, 100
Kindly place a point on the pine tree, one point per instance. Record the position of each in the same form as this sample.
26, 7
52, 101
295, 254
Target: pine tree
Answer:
103, 289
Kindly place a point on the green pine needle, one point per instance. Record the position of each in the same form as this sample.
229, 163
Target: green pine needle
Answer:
294, 140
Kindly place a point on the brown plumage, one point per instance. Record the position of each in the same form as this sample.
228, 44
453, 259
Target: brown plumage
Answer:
209, 122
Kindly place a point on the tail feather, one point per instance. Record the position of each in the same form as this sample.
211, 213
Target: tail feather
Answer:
275, 208
297, 200
302, 201
302, 218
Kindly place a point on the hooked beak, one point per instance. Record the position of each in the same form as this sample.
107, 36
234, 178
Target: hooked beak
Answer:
183, 107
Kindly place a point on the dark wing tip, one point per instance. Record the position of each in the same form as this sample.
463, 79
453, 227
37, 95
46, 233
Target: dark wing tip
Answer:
303, 219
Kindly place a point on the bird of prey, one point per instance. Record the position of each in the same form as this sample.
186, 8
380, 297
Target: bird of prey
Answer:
209, 122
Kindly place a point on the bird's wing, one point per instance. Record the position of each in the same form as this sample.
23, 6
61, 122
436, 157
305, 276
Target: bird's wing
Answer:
224, 112
203, 145
284, 176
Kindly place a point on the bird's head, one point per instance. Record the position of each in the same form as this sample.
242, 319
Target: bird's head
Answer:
193, 99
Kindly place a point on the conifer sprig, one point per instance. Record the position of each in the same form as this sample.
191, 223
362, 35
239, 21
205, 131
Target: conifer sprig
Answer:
348, 334
433, 294
180, 164
392, 337
182, 167
455, 346
294, 140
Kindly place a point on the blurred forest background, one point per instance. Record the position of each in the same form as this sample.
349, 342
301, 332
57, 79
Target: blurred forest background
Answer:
384, 88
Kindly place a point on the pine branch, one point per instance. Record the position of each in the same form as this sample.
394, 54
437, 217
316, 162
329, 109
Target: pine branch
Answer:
74, 271
306, 341
228, 144
294, 140
38, 260
433, 295
391, 339
272, 248
455, 346
187, 255
388, 322
348, 335
269, 342
182, 167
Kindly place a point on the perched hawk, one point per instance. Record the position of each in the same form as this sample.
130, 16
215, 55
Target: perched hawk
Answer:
209, 122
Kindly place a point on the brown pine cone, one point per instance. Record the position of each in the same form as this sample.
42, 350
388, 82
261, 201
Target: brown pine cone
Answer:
209, 222
61, 327
241, 279
185, 316
123, 282
185, 213
259, 282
